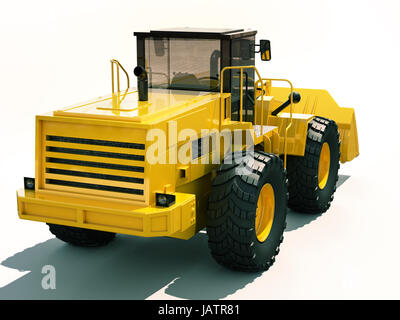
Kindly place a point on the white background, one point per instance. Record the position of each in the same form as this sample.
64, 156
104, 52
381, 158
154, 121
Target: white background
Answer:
56, 53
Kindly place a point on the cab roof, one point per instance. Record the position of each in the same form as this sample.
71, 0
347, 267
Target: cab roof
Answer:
199, 33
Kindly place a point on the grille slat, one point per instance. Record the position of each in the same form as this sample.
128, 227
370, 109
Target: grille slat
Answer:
95, 175
96, 153
94, 147
79, 157
107, 143
70, 167
96, 164
94, 186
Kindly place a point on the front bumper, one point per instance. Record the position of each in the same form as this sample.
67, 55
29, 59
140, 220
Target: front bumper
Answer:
178, 220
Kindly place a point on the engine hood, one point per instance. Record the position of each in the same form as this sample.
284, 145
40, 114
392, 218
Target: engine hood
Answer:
161, 104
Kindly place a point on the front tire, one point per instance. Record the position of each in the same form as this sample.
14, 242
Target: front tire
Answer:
247, 211
81, 237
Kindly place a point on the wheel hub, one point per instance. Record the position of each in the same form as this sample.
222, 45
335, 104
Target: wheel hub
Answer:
265, 212
324, 165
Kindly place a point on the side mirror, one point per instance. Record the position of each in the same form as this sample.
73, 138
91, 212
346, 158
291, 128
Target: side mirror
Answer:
265, 50
159, 47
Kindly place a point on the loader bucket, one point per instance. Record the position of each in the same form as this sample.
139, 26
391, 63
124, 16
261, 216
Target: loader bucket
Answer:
320, 103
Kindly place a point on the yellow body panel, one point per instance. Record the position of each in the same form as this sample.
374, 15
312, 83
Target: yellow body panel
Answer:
92, 159
119, 217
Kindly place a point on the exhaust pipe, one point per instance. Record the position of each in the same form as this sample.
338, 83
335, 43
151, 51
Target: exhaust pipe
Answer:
296, 99
143, 87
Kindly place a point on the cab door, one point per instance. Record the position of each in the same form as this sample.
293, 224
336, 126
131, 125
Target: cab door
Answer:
243, 54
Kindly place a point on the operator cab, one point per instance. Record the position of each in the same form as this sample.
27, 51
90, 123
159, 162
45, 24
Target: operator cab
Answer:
192, 59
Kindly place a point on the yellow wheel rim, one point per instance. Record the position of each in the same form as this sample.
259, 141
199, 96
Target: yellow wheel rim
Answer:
265, 212
324, 164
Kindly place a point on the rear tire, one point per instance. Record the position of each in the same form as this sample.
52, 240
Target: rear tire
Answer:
313, 177
235, 239
81, 237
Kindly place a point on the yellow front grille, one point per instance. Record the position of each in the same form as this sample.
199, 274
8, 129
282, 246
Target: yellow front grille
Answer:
93, 166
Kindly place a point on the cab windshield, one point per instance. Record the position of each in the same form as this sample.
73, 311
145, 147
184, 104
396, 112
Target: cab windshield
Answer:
182, 63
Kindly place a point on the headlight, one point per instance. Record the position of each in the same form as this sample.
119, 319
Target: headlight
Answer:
164, 200
29, 183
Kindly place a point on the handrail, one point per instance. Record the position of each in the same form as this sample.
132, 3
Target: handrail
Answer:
241, 92
291, 113
116, 101
263, 87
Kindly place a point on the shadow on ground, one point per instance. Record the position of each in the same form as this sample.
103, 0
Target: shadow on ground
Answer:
130, 268
127, 268
296, 220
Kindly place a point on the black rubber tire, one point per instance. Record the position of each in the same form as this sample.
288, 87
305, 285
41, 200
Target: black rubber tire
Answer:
232, 208
81, 237
305, 195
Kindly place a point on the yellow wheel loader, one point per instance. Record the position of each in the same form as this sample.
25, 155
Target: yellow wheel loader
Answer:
203, 142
